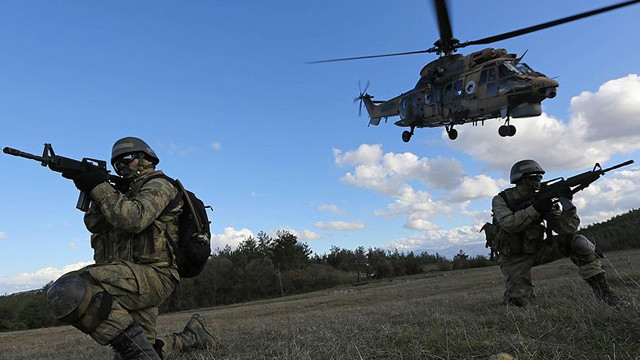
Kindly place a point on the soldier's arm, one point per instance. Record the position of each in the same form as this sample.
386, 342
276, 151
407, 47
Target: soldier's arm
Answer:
95, 220
134, 214
510, 221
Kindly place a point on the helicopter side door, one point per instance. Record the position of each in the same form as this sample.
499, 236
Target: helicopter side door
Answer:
488, 83
452, 98
432, 103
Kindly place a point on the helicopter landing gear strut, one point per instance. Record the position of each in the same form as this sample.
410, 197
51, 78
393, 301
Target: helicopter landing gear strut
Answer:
453, 133
406, 135
506, 129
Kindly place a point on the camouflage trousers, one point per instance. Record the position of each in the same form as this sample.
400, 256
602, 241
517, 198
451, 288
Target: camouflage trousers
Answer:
516, 269
137, 291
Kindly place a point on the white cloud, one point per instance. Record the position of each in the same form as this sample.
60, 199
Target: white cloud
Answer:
3, 235
387, 173
615, 193
438, 239
601, 124
333, 208
480, 186
390, 174
216, 146
366, 154
301, 234
36, 280
231, 237
339, 225
73, 245
181, 150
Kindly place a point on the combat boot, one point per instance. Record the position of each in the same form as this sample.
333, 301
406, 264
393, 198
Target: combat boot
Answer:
603, 292
132, 344
194, 336
204, 338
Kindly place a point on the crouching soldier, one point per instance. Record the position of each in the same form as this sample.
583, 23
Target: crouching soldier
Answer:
134, 231
519, 237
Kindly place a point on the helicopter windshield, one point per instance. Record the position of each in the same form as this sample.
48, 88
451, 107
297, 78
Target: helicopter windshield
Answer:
508, 68
525, 68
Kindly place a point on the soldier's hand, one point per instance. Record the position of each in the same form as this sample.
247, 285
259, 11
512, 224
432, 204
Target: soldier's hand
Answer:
121, 184
542, 205
87, 180
566, 193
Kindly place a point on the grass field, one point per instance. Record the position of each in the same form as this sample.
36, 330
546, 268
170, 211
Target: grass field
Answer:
441, 315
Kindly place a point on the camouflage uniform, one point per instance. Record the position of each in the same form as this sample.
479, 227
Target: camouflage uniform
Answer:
521, 246
133, 253
134, 227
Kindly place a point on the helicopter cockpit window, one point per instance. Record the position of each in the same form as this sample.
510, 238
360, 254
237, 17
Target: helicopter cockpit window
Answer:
483, 77
508, 69
457, 88
525, 68
491, 74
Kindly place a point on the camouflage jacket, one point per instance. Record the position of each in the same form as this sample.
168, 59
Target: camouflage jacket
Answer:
134, 226
519, 232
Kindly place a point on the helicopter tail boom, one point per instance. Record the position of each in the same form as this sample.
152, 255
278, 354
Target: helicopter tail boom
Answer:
379, 109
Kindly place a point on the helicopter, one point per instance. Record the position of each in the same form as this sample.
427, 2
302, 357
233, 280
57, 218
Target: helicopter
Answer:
456, 89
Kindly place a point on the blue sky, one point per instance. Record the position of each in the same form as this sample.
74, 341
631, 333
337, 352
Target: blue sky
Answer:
222, 93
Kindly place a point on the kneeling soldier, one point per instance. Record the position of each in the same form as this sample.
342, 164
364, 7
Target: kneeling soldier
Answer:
519, 237
134, 230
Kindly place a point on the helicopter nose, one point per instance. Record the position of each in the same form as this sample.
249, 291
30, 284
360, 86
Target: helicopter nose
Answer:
547, 87
550, 92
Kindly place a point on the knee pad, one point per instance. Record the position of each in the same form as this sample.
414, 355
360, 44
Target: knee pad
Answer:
583, 250
581, 245
72, 300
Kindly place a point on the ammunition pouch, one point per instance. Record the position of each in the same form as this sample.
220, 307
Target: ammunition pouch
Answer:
525, 242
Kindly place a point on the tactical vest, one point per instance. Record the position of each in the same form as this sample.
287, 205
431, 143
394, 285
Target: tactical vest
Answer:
527, 241
153, 245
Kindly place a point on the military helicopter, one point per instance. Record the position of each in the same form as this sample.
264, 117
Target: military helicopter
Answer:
456, 89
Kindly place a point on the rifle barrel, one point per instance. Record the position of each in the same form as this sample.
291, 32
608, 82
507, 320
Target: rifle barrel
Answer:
628, 162
16, 152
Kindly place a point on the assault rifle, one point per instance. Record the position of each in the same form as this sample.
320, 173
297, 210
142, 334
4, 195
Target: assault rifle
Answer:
560, 187
63, 164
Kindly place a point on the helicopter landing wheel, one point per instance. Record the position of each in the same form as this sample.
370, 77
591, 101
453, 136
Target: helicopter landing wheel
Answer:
512, 130
453, 134
406, 136
503, 130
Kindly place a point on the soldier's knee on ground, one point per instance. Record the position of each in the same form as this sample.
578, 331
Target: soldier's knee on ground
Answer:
583, 249
73, 300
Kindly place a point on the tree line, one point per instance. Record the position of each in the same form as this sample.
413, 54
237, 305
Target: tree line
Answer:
267, 266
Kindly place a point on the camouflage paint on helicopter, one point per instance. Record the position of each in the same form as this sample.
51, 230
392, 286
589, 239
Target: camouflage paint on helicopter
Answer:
458, 89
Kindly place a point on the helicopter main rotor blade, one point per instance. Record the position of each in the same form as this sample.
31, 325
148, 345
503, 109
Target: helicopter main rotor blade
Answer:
371, 56
549, 24
444, 24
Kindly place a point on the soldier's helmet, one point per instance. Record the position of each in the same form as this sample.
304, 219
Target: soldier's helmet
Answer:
524, 167
128, 145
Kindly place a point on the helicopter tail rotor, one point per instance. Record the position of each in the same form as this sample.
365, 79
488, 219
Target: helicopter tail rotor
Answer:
362, 95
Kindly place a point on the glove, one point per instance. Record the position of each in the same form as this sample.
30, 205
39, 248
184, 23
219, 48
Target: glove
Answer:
566, 193
542, 205
85, 181
121, 184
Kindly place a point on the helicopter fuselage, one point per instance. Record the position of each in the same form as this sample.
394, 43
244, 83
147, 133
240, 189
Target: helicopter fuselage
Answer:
457, 89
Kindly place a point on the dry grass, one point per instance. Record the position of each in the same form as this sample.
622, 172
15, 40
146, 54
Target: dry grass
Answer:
453, 315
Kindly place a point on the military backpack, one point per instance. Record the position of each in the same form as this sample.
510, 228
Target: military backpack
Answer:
194, 233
